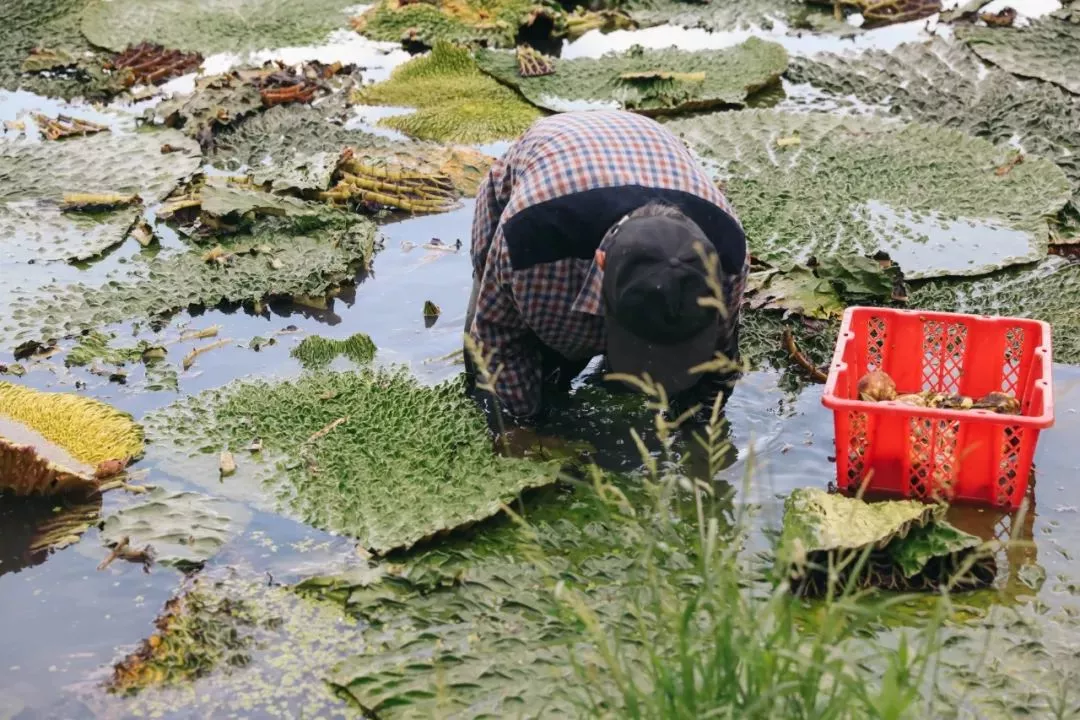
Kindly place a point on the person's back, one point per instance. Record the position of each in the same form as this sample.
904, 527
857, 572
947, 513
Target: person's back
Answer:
544, 214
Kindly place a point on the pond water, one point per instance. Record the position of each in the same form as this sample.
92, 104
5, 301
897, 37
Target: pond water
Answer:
65, 620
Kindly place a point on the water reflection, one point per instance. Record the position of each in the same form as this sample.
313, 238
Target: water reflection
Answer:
32, 528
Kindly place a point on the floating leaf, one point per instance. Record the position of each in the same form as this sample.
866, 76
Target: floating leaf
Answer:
926, 196
1046, 291
318, 352
51, 26
945, 83
455, 102
36, 177
53, 442
184, 528
410, 462
910, 545
316, 253
496, 23
729, 16
218, 102
647, 81
1047, 49
212, 26
95, 345
876, 13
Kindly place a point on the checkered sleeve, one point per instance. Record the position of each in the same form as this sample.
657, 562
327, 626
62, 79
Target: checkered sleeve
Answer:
509, 343
491, 198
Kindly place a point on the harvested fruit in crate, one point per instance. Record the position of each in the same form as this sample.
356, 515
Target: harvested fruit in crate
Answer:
877, 386
939, 406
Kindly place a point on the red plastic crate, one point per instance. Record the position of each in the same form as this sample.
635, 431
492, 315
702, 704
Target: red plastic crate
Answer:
930, 454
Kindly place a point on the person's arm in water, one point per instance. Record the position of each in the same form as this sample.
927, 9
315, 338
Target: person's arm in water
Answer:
504, 339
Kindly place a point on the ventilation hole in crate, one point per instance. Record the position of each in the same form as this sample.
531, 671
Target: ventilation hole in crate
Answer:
932, 340
1010, 460
856, 448
919, 457
1010, 368
944, 452
953, 361
875, 342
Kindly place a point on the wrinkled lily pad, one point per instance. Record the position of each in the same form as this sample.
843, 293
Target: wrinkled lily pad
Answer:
34, 177
212, 26
217, 102
932, 199
53, 442
1047, 49
945, 83
184, 529
372, 454
494, 22
48, 24
97, 345
685, 80
727, 16
1047, 291
222, 200
824, 290
318, 352
283, 136
297, 172
454, 100
910, 545
280, 256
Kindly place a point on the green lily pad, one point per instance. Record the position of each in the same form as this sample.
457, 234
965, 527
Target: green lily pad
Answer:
931, 198
316, 352
280, 256
492, 22
184, 529
454, 100
1046, 291
217, 102
945, 83
1047, 49
212, 26
97, 345
372, 454
647, 81
910, 546
824, 290
744, 15
299, 173
284, 135
236, 203
35, 176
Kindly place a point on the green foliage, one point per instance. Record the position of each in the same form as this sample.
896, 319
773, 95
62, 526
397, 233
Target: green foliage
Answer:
35, 176
815, 185
95, 345
492, 22
371, 454
1047, 49
455, 101
50, 24
730, 75
744, 15
284, 136
318, 352
212, 26
945, 83
216, 103
1046, 291
821, 291
183, 528
280, 256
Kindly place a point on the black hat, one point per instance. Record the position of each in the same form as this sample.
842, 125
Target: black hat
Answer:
653, 278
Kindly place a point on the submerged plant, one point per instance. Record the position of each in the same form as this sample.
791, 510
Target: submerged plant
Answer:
454, 100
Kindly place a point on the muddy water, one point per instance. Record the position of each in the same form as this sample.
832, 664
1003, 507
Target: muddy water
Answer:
64, 621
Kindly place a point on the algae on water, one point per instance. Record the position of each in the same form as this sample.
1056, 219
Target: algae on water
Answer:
213, 26
454, 100
647, 81
372, 454
933, 199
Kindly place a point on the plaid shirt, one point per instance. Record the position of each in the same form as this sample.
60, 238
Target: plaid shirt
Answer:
558, 303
